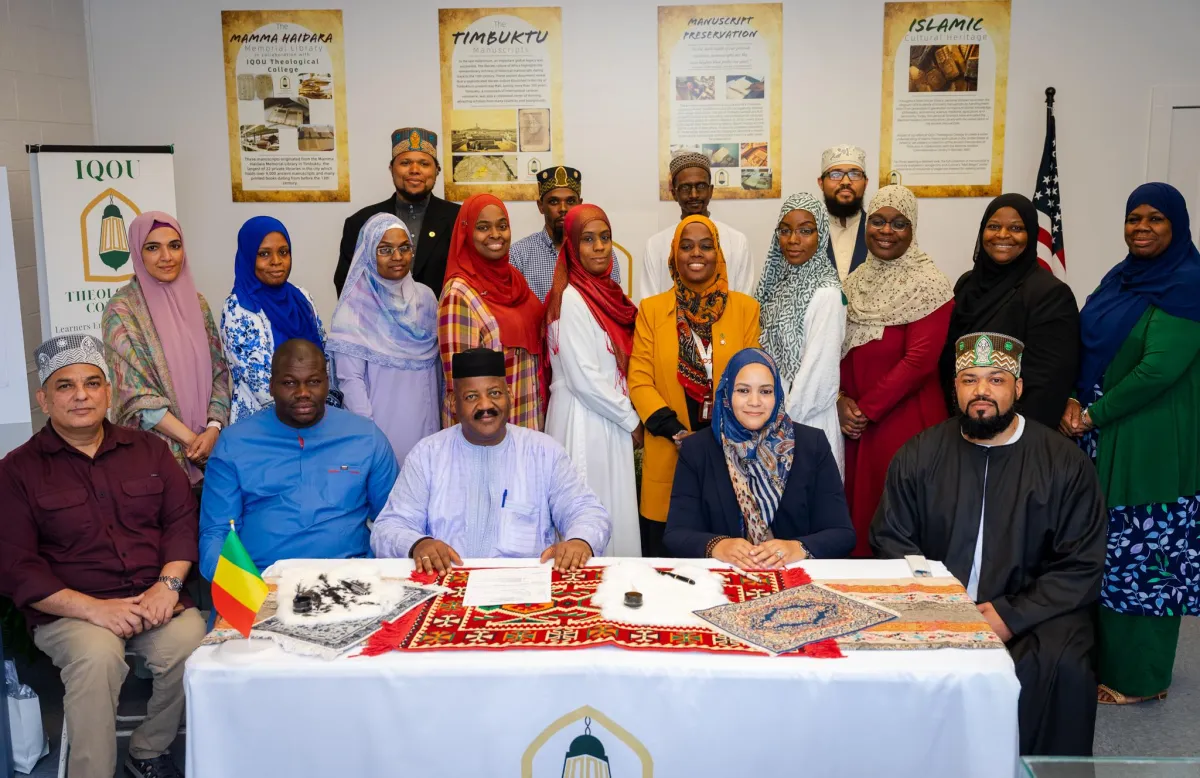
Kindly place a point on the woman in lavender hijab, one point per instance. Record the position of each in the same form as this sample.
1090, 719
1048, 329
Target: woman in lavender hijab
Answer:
383, 337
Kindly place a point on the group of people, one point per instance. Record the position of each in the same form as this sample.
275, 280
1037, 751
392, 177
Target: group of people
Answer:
477, 397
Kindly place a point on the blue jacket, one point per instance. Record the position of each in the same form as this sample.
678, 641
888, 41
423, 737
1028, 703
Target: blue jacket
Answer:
812, 509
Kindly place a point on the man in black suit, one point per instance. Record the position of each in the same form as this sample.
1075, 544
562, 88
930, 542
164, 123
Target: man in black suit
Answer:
429, 218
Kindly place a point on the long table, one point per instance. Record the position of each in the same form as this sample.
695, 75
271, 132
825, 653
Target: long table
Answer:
556, 714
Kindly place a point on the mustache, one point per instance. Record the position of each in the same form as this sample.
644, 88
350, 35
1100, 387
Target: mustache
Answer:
486, 413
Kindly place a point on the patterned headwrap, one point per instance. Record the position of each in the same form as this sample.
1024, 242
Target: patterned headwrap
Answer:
559, 177
65, 350
988, 349
758, 460
696, 310
883, 293
414, 139
785, 291
389, 323
686, 159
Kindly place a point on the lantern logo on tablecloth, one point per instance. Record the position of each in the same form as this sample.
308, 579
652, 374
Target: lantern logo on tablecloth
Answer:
103, 229
586, 744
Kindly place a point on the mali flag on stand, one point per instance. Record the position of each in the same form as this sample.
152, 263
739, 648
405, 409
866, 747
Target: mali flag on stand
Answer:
238, 591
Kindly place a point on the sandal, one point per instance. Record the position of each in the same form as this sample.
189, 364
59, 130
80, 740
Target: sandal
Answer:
1106, 695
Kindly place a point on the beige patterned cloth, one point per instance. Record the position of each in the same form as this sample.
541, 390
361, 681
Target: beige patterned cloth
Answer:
885, 293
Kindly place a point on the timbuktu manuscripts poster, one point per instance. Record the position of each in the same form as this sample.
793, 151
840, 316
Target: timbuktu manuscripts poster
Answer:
720, 72
501, 99
285, 94
945, 78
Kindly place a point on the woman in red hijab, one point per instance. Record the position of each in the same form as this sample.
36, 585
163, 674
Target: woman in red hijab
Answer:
589, 334
487, 304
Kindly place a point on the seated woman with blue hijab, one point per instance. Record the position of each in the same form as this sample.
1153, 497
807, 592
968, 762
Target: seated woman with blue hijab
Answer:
760, 491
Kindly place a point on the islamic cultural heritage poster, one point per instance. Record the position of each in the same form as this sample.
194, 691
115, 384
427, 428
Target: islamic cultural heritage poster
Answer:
720, 73
945, 80
285, 94
84, 198
501, 99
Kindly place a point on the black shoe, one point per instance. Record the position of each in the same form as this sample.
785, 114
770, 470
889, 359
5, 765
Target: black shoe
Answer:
159, 767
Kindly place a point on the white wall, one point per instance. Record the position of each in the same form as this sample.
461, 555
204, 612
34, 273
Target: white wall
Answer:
158, 79
44, 98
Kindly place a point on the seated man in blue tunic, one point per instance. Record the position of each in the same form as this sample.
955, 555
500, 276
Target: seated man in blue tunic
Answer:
486, 488
299, 479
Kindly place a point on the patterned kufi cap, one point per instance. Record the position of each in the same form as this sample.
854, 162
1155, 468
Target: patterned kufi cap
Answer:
686, 159
414, 139
65, 350
843, 155
559, 177
988, 349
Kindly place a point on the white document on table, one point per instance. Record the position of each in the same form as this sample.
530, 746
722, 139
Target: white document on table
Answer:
508, 586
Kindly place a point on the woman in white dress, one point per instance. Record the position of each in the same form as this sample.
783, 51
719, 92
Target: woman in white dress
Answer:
589, 334
804, 317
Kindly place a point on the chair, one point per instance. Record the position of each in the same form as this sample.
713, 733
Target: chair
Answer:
125, 724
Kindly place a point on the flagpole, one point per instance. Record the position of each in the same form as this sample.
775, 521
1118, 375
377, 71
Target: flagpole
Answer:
1050, 99
233, 528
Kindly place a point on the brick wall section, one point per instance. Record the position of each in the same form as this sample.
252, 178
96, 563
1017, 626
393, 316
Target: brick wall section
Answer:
45, 97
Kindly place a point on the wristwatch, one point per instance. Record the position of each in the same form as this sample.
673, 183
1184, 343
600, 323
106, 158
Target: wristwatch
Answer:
172, 583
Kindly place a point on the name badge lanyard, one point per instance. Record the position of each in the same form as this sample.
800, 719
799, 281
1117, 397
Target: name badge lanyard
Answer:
706, 357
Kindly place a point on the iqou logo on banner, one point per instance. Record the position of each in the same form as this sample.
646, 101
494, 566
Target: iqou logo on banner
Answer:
102, 189
585, 743
104, 233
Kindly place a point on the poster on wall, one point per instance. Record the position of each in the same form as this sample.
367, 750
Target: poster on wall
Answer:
945, 80
285, 95
84, 198
720, 73
501, 99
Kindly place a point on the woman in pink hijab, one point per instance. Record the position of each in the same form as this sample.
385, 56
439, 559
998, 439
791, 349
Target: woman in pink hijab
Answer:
164, 354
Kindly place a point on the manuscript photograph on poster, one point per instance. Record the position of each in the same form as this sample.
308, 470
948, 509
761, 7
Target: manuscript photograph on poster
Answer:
501, 99
720, 73
945, 82
285, 88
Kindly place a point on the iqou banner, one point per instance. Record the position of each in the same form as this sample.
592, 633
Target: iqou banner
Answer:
84, 198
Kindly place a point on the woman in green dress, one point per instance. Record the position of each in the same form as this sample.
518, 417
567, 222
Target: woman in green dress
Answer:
1138, 415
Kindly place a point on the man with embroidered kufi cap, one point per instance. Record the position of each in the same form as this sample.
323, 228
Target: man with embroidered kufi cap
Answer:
692, 189
99, 534
843, 181
430, 219
560, 189
1015, 511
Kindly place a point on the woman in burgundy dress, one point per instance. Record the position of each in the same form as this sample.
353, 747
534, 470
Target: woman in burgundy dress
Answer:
897, 314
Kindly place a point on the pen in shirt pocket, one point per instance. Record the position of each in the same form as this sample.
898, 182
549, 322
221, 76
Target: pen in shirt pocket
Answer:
504, 498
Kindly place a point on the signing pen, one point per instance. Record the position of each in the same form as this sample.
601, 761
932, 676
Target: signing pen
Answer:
504, 498
677, 577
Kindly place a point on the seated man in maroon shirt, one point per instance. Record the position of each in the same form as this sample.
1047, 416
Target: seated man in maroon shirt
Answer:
98, 532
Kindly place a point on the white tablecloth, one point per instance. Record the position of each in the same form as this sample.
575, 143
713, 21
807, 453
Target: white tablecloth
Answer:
928, 713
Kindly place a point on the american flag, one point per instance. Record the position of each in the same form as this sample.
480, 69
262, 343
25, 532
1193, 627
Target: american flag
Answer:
1046, 199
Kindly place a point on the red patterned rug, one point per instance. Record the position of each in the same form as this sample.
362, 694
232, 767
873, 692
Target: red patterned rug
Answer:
569, 621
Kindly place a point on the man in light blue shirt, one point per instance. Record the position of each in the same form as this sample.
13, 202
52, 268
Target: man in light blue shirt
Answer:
299, 479
486, 488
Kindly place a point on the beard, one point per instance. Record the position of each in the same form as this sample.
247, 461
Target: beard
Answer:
988, 427
557, 230
409, 197
840, 210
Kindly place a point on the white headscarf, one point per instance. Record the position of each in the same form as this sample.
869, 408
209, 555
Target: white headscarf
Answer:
882, 293
785, 290
390, 323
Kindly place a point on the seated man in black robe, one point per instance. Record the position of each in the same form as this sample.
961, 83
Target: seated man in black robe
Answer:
1015, 510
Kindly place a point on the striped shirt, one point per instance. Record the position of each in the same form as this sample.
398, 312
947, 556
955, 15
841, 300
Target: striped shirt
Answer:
536, 255
464, 322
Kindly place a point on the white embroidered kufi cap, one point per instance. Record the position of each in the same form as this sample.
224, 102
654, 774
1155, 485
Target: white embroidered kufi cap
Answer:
64, 350
843, 155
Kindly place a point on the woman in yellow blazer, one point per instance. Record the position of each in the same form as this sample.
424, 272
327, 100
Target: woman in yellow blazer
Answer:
681, 343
